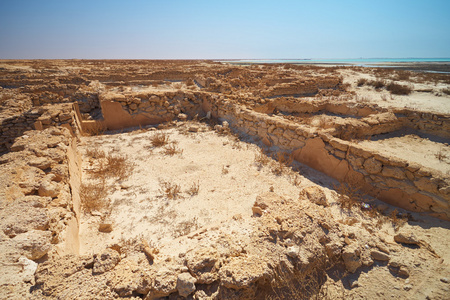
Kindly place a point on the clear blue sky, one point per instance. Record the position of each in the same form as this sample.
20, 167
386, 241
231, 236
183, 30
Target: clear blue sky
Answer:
224, 29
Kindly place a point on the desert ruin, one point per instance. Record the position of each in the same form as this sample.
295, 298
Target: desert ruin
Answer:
207, 180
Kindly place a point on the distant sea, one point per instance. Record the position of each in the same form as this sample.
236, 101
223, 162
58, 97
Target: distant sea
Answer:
338, 60
435, 65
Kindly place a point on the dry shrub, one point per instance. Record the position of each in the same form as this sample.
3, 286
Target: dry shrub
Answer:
377, 84
95, 153
446, 91
159, 139
94, 130
172, 150
261, 159
194, 189
185, 227
361, 82
441, 155
114, 166
169, 189
348, 195
397, 219
93, 196
398, 89
283, 161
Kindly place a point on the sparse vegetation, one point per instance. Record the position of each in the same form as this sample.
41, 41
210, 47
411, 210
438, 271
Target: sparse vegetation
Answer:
93, 196
361, 82
113, 166
261, 159
172, 150
441, 155
159, 139
283, 161
169, 189
194, 189
398, 89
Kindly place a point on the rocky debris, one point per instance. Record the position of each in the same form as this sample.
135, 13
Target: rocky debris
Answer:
315, 194
105, 261
406, 238
351, 257
378, 255
185, 284
34, 244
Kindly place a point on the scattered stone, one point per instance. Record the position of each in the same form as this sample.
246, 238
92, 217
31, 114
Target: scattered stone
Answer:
351, 258
406, 238
193, 128
105, 227
292, 251
315, 194
378, 255
445, 280
407, 287
49, 189
182, 117
185, 284
403, 272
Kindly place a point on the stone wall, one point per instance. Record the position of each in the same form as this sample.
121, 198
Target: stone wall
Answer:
431, 123
42, 117
390, 179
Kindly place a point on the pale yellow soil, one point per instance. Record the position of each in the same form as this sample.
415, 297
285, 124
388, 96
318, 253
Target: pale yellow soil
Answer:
223, 167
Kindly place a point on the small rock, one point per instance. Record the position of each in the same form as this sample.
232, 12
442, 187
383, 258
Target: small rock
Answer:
406, 238
106, 261
225, 124
28, 269
48, 189
403, 272
407, 287
315, 194
445, 280
182, 117
185, 284
40, 162
193, 128
350, 255
383, 248
105, 227
292, 251
353, 283
378, 255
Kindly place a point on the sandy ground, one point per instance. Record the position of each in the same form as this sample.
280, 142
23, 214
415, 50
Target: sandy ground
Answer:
425, 97
224, 169
229, 180
422, 150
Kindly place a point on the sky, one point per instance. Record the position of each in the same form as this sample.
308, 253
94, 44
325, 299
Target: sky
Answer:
215, 29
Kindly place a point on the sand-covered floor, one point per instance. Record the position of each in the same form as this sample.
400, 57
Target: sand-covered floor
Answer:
223, 167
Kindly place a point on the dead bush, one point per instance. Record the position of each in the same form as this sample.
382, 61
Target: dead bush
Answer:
114, 166
93, 196
95, 153
261, 159
282, 162
398, 89
194, 189
94, 130
361, 82
172, 150
169, 189
159, 139
377, 84
348, 195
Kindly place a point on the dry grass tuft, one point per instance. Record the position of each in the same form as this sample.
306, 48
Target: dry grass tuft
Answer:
94, 130
113, 166
194, 189
172, 150
159, 139
93, 196
361, 82
441, 155
169, 189
95, 153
